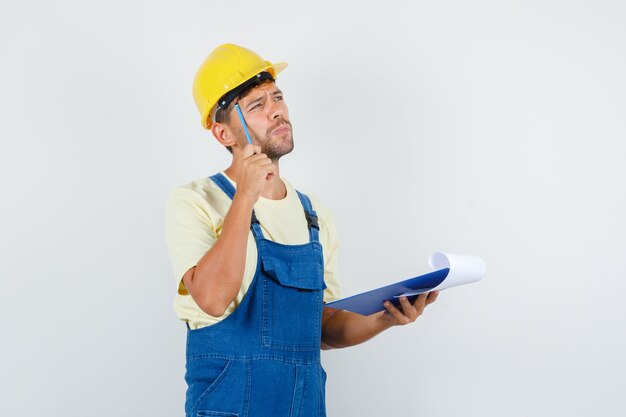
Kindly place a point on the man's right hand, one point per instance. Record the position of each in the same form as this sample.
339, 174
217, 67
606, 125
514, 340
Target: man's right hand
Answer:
254, 170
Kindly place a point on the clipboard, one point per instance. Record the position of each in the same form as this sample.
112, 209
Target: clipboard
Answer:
451, 270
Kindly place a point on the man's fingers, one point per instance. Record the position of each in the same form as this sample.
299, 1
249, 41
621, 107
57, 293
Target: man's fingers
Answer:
400, 318
259, 157
432, 296
410, 312
249, 150
260, 163
271, 169
408, 309
420, 303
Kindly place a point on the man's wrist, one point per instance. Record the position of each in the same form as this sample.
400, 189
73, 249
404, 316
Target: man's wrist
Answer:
244, 202
384, 321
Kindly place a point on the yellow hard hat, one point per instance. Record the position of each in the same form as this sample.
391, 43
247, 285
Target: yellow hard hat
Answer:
225, 69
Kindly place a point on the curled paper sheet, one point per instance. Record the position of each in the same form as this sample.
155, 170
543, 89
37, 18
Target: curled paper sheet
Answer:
450, 270
463, 269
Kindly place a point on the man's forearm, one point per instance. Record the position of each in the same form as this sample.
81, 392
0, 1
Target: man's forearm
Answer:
343, 328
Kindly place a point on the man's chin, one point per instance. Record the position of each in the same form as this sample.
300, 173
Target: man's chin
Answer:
279, 151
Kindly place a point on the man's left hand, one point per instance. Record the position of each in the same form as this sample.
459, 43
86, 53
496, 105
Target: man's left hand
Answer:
409, 312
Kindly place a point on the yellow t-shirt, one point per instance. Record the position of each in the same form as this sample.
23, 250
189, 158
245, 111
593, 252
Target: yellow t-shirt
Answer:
194, 218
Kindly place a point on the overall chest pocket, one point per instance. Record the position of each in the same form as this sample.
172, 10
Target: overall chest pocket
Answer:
293, 287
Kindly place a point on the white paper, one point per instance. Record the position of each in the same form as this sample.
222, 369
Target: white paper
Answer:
464, 269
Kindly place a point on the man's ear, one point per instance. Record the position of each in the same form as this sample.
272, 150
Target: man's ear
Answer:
223, 134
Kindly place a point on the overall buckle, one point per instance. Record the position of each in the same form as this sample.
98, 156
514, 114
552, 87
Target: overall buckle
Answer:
312, 221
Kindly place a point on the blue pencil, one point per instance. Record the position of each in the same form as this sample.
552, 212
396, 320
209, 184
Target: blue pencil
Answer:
243, 123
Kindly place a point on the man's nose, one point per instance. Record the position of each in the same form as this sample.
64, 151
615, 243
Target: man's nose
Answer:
277, 109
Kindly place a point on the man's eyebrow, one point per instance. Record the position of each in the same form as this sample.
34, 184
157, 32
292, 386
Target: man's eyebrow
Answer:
259, 98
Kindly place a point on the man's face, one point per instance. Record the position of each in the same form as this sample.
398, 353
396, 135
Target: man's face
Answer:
267, 118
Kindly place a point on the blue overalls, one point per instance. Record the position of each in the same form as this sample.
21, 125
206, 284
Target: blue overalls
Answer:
263, 360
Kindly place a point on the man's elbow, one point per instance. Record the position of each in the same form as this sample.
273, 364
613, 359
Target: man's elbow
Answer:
212, 306
207, 299
214, 311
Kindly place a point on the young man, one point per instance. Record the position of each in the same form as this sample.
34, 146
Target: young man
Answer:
255, 259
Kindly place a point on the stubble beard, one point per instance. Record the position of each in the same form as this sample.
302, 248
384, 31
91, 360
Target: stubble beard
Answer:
275, 149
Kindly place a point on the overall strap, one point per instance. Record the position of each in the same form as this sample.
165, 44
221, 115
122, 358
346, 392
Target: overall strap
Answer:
228, 188
224, 184
311, 217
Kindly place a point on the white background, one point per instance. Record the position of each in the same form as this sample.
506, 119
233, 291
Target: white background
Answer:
491, 128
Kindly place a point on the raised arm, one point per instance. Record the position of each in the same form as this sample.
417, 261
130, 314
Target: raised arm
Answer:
215, 281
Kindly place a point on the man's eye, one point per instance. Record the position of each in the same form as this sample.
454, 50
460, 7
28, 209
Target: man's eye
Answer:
255, 106
278, 98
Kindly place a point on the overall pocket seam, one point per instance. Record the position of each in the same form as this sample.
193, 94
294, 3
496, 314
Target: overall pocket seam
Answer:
201, 413
211, 387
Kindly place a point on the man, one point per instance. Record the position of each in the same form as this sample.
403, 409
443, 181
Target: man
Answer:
255, 259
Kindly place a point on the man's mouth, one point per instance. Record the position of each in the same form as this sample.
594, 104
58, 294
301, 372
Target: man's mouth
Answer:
281, 129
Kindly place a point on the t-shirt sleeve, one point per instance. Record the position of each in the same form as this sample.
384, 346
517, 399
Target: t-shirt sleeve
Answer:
189, 232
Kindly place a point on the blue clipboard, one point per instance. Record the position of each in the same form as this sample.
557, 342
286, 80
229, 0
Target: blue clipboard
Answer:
371, 302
